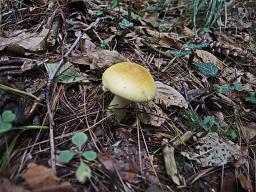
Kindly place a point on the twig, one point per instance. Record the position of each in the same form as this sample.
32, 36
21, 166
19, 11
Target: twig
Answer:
50, 84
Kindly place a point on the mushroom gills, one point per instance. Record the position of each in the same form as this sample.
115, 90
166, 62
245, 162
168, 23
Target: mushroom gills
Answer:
117, 107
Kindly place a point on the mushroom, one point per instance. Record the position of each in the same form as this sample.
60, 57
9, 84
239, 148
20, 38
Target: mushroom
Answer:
129, 82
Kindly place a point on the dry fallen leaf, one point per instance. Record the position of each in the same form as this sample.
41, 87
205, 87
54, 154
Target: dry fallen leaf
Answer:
25, 41
213, 151
248, 131
168, 96
230, 74
41, 178
166, 40
245, 182
7, 186
187, 32
152, 114
104, 58
206, 57
170, 163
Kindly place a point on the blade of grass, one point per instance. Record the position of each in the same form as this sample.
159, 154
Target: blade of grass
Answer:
212, 13
6, 155
30, 127
17, 91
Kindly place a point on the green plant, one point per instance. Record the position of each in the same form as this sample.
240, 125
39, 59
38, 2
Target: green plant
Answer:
83, 171
208, 69
104, 43
6, 120
251, 98
206, 13
229, 88
208, 124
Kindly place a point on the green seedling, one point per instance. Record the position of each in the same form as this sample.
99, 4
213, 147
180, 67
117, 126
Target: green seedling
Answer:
6, 120
251, 98
208, 69
104, 43
209, 124
227, 88
83, 171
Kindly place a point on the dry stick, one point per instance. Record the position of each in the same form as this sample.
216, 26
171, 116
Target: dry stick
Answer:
50, 84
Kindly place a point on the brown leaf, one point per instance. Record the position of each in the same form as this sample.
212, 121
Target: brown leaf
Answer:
128, 176
81, 60
104, 58
152, 114
107, 162
7, 186
166, 40
168, 96
230, 74
187, 32
41, 178
87, 46
245, 182
249, 131
207, 57
229, 182
25, 41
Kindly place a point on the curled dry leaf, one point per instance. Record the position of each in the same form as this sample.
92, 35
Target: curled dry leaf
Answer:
170, 163
248, 131
104, 58
245, 182
168, 96
99, 59
151, 114
213, 151
25, 41
40, 178
230, 74
166, 40
206, 57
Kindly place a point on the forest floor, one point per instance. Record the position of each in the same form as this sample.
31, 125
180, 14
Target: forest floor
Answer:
197, 134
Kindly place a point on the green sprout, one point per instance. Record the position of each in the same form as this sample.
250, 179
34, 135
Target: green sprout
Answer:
6, 120
83, 171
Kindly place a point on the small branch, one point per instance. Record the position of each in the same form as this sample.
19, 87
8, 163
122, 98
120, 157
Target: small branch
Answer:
50, 84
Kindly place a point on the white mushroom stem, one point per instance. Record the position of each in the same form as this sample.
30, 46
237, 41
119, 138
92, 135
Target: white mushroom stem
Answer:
117, 107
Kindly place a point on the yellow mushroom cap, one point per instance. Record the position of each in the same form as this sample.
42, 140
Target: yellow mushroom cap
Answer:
130, 81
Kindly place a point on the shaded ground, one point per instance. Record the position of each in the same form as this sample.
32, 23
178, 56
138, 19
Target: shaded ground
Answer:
193, 99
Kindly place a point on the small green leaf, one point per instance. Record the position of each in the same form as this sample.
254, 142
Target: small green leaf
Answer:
196, 46
8, 116
83, 172
238, 86
180, 53
79, 139
251, 98
126, 23
208, 69
208, 122
67, 73
5, 127
99, 12
224, 88
89, 155
65, 156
